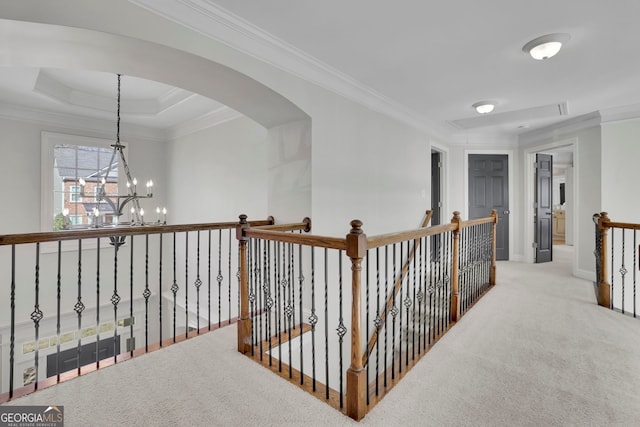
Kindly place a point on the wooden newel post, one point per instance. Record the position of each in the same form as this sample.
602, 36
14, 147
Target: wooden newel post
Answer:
494, 227
244, 322
455, 269
356, 374
604, 288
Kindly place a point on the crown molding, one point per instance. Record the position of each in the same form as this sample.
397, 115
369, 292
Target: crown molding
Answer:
618, 114
217, 23
562, 128
101, 128
214, 118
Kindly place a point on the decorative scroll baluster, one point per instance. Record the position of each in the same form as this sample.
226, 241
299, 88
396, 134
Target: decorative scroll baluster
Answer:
37, 315
198, 283
174, 287
115, 300
219, 278
313, 319
430, 288
255, 280
146, 293
413, 325
613, 265
341, 330
400, 292
79, 306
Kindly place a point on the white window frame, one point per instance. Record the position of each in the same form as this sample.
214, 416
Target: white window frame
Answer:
48, 142
75, 196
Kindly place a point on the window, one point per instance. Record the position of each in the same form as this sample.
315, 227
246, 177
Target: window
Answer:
74, 193
77, 171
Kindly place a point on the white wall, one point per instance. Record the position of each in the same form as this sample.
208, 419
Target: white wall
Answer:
619, 181
218, 174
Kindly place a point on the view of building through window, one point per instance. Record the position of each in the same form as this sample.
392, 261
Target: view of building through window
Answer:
80, 173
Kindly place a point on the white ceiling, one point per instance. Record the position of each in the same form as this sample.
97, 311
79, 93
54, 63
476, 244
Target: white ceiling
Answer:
437, 58
431, 60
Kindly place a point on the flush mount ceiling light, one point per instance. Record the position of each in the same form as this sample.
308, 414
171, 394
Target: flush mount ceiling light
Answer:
546, 46
484, 107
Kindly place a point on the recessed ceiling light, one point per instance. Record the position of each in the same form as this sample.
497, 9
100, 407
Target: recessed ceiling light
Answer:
547, 46
484, 107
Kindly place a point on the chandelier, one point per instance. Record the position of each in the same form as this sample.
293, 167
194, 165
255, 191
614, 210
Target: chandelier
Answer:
112, 202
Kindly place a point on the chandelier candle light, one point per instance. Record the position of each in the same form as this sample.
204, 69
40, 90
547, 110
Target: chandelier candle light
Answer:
117, 202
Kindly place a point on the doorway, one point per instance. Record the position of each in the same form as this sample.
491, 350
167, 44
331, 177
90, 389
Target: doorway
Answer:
488, 189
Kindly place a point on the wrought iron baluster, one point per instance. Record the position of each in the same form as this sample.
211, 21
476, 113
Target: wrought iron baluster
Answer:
115, 300
12, 339
174, 287
623, 270
219, 278
262, 303
58, 306
386, 316
413, 306
229, 288
326, 320
79, 306
431, 274
635, 259
209, 283
37, 315
341, 330
421, 294
131, 281
378, 319
198, 283
278, 289
407, 304
160, 286
146, 293
401, 278
254, 280
366, 334
269, 302
612, 268
290, 308
97, 302
186, 284
313, 319
300, 298
394, 313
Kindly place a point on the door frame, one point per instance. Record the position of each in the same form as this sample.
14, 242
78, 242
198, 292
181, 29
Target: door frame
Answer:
512, 205
444, 181
529, 196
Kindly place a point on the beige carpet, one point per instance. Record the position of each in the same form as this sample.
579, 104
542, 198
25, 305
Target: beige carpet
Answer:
536, 351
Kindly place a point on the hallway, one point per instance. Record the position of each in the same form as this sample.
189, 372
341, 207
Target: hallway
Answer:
536, 350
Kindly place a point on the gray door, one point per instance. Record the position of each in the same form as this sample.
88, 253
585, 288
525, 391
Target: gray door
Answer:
544, 208
436, 201
489, 189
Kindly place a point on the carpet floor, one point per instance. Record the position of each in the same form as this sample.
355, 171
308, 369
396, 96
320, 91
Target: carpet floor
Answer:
535, 351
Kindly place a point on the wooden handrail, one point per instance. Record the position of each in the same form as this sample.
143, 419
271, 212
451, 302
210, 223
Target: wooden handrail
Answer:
54, 236
305, 225
300, 239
